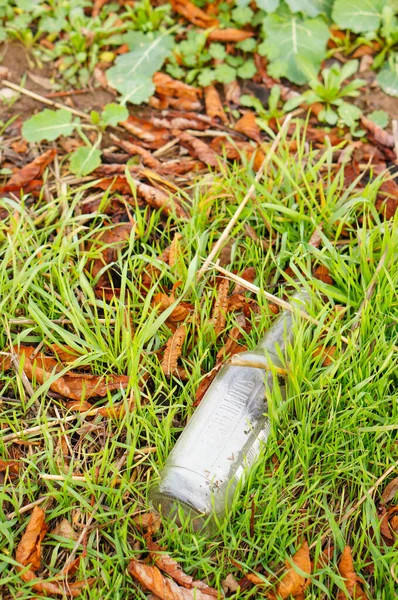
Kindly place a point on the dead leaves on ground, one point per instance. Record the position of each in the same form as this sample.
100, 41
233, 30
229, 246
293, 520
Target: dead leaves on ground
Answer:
28, 179
176, 586
389, 516
351, 579
173, 352
77, 386
28, 555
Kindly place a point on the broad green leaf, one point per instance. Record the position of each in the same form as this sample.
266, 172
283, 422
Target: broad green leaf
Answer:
310, 8
113, 114
289, 38
247, 45
132, 73
224, 73
48, 125
388, 77
247, 70
358, 15
349, 113
242, 15
84, 160
380, 117
269, 6
217, 51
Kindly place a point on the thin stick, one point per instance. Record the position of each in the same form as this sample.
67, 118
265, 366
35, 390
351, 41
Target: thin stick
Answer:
224, 236
76, 478
44, 100
239, 362
26, 508
58, 321
369, 292
274, 299
84, 531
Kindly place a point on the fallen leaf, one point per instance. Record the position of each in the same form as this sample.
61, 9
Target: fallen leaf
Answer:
29, 554
247, 125
20, 146
346, 569
171, 567
135, 149
220, 308
173, 351
175, 249
322, 273
387, 199
180, 312
229, 584
177, 93
70, 385
390, 490
193, 14
149, 522
248, 274
327, 353
151, 578
29, 173
231, 346
65, 353
316, 237
65, 530
229, 35
214, 107
158, 199
12, 466
198, 148
112, 240
232, 92
146, 131
205, 384
292, 583
29, 547
379, 134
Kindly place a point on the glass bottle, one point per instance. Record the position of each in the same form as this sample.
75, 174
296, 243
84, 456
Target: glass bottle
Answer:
225, 434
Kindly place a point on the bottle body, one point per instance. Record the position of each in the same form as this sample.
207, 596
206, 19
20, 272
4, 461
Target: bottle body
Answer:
224, 436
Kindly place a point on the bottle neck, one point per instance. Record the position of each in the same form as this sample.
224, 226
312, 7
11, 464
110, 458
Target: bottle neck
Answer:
280, 335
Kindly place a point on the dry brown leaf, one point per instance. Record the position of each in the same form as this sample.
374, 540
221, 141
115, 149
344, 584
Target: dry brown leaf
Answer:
193, 14
162, 587
214, 107
171, 567
229, 584
292, 583
112, 241
175, 249
146, 131
248, 274
231, 346
346, 569
149, 522
187, 97
20, 146
64, 529
29, 554
70, 385
205, 384
198, 148
220, 308
390, 490
232, 92
229, 35
322, 273
12, 466
179, 313
379, 135
29, 547
135, 149
158, 199
29, 173
173, 351
387, 199
327, 353
316, 237
247, 125
65, 353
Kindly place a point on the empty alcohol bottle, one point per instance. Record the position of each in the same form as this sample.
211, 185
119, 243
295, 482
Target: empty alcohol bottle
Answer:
226, 433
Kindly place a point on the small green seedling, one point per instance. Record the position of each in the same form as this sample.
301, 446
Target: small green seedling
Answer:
330, 92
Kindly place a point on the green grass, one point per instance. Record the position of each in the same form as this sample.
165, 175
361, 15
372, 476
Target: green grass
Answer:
331, 440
